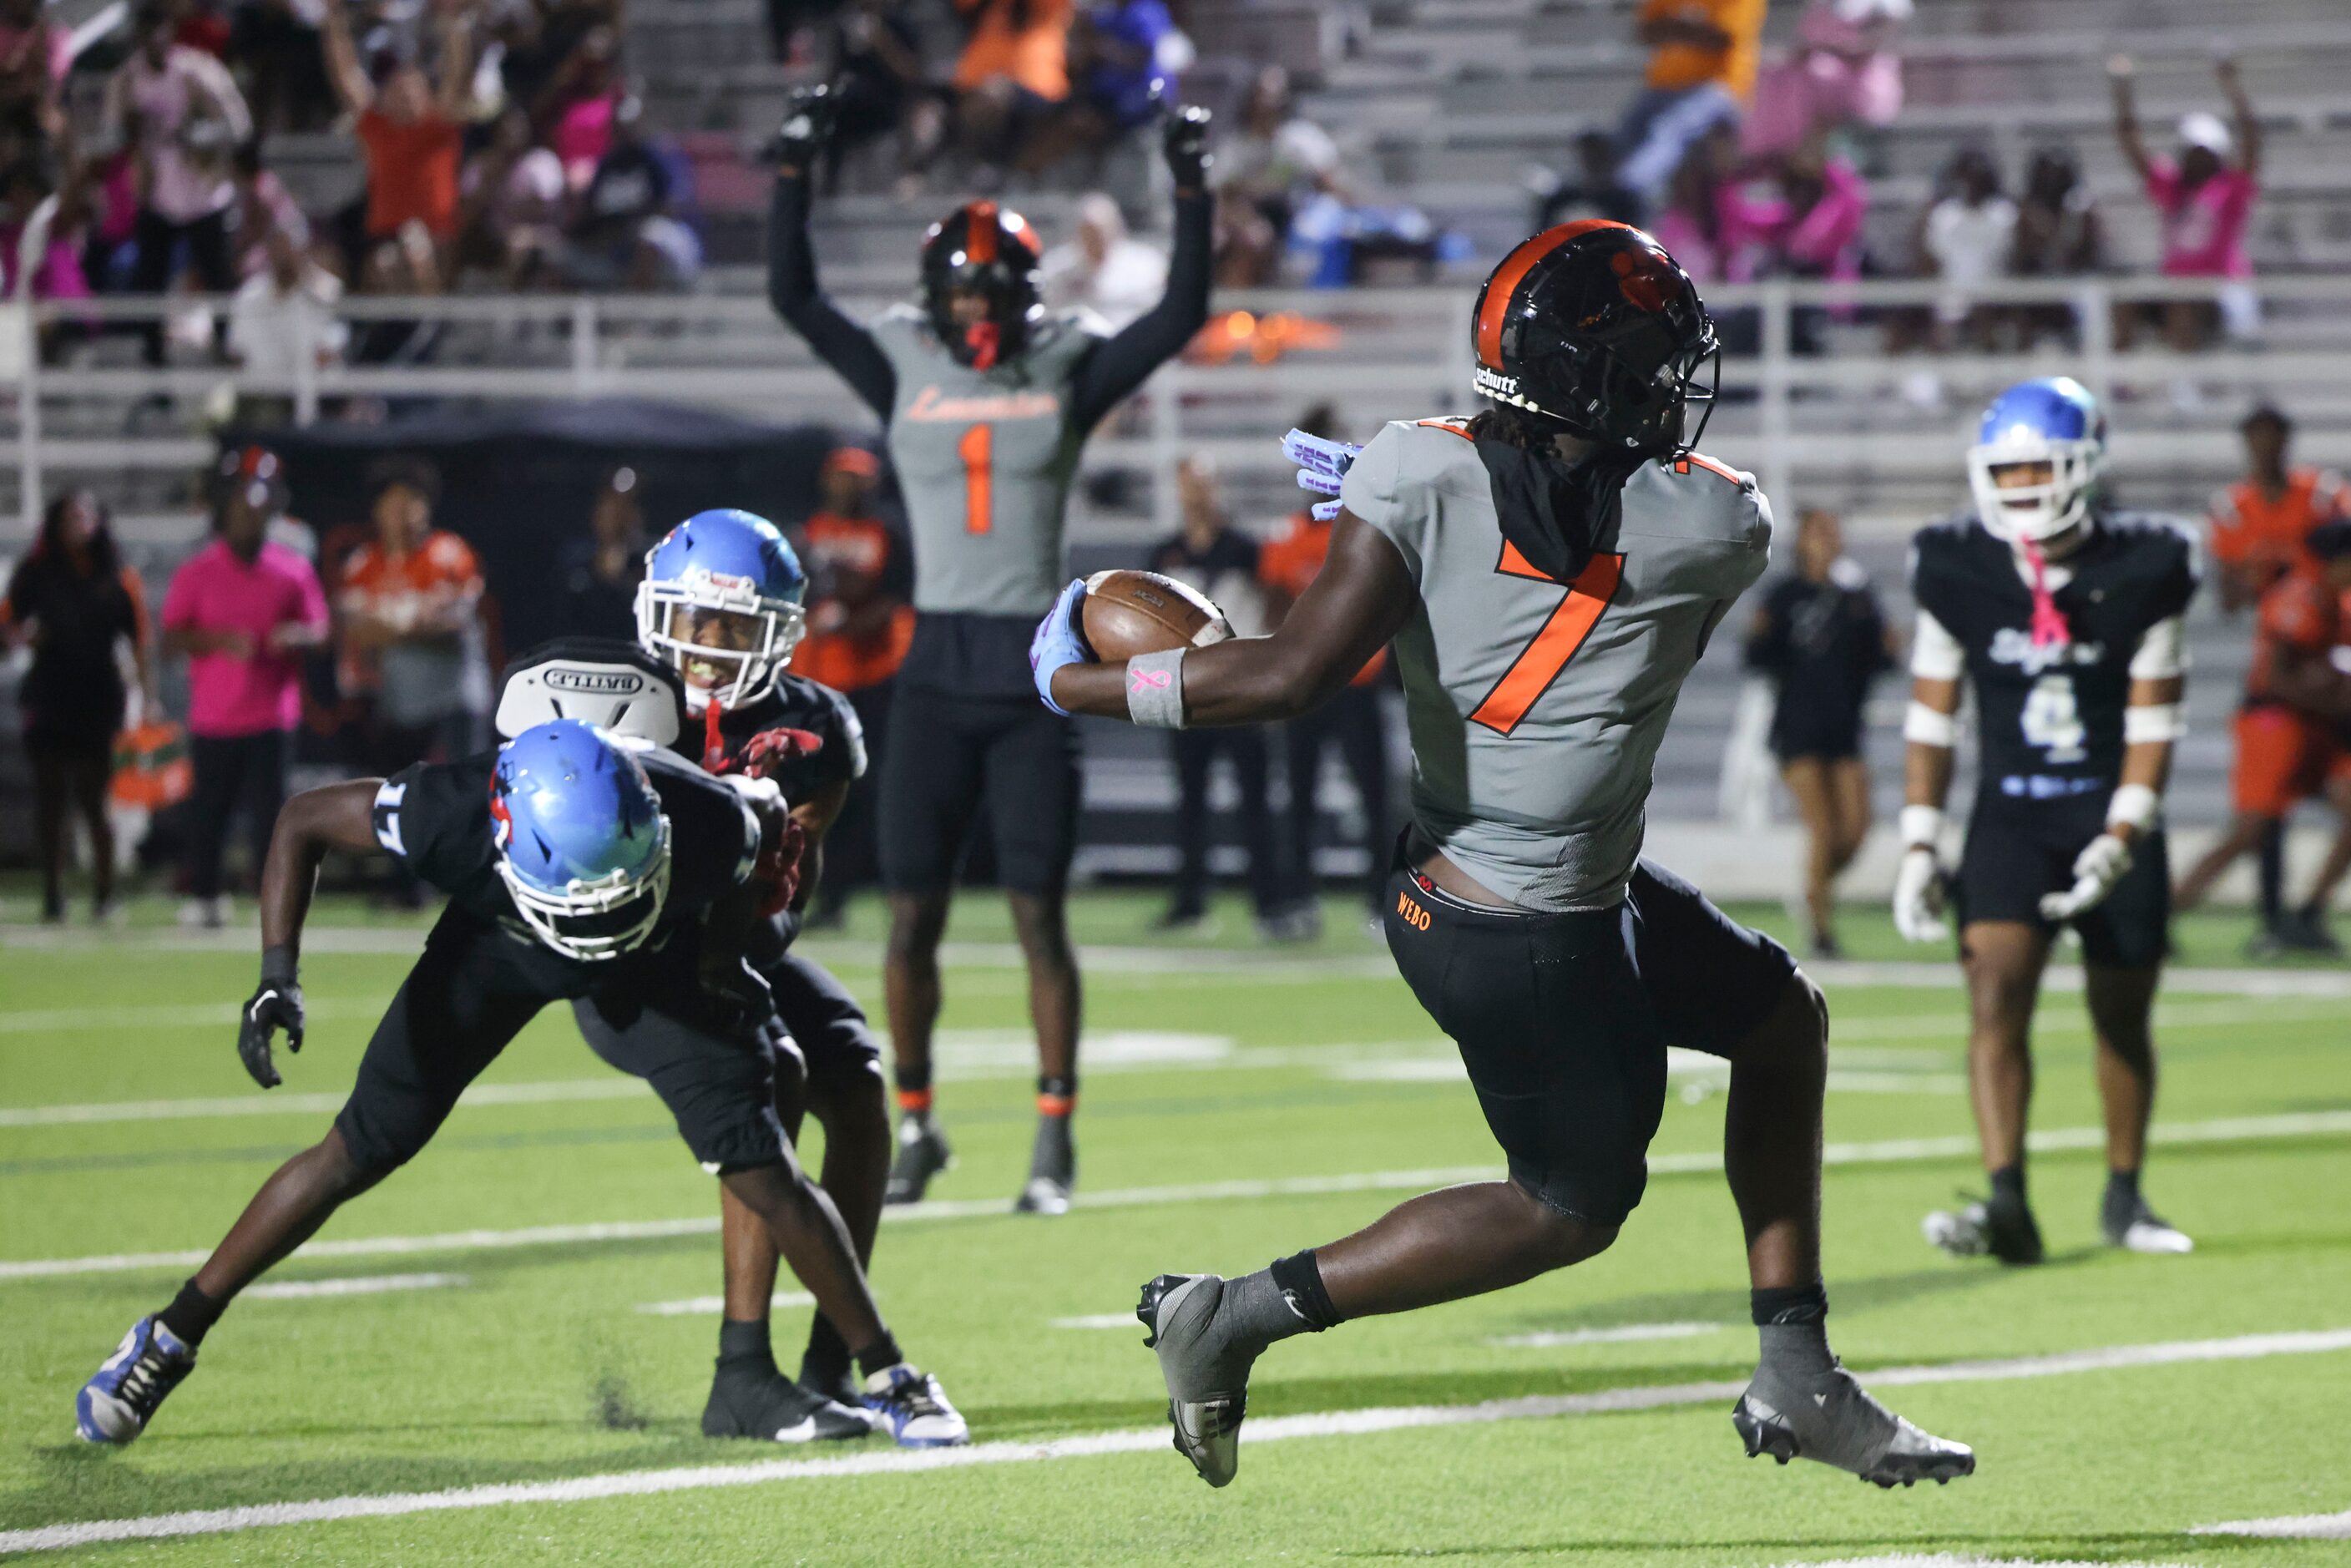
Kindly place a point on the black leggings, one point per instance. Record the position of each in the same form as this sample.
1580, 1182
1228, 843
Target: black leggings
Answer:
233, 771
1352, 722
158, 239
71, 779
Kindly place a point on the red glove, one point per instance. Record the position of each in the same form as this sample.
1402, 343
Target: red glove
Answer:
764, 754
779, 867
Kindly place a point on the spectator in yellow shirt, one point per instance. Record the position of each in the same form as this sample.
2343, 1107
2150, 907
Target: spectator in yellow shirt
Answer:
1702, 60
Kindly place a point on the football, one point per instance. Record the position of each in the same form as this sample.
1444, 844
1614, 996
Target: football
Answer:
1131, 613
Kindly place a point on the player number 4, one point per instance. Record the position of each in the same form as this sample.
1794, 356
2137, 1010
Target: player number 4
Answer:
2053, 719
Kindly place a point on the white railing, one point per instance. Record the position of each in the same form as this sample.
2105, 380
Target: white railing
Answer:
1402, 352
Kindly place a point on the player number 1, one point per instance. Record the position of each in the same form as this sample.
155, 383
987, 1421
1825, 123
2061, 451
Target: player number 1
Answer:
977, 450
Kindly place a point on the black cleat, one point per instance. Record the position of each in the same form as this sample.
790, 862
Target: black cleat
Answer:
1986, 1228
838, 1383
1837, 1423
1208, 1382
766, 1407
923, 1153
1052, 1169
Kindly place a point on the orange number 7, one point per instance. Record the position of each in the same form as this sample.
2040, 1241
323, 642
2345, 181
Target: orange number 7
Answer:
1532, 671
977, 450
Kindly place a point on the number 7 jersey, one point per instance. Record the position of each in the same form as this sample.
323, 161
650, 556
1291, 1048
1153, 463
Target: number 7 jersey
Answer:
2048, 715
1536, 706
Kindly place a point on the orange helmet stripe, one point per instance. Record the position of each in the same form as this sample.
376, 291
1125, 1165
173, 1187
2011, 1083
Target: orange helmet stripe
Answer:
1494, 308
981, 231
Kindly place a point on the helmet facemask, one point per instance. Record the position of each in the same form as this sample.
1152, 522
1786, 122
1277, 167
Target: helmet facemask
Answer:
2042, 505
726, 641
595, 919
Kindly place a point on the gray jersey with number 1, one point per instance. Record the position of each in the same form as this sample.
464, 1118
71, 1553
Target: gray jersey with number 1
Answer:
1536, 710
984, 460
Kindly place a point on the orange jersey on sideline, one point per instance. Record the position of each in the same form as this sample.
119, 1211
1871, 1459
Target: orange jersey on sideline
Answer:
440, 570
859, 549
2251, 530
1290, 560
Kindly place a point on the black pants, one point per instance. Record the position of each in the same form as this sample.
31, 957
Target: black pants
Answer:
237, 772
1352, 722
1195, 752
951, 757
158, 239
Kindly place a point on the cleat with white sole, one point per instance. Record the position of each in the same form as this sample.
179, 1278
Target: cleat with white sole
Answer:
115, 1406
1840, 1425
2136, 1228
1208, 1382
1052, 1169
913, 1408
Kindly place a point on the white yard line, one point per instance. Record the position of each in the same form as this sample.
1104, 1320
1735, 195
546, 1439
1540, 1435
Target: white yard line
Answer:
710, 1306
363, 1285
2292, 1527
1627, 1333
1150, 1440
1099, 1321
1896, 1151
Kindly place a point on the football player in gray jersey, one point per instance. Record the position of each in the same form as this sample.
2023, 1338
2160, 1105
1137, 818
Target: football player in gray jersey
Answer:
1549, 570
986, 401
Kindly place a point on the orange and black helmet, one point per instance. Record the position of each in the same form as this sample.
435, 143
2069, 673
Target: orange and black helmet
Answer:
981, 248
1593, 326
254, 473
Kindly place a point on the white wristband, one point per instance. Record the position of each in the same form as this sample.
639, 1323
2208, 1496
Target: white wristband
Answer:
1921, 827
1154, 689
2149, 722
1929, 728
2135, 804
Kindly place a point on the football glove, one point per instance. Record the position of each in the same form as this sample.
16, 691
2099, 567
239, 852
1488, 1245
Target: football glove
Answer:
1058, 641
778, 868
2102, 864
275, 1004
807, 128
1186, 143
1918, 894
1323, 464
765, 754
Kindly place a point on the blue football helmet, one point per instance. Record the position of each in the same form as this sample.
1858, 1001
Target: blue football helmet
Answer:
723, 591
2054, 421
582, 843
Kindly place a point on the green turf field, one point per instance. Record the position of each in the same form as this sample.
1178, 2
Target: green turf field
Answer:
1308, 1081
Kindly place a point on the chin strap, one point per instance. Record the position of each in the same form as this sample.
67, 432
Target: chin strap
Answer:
2049, 628
985, 339
714, 744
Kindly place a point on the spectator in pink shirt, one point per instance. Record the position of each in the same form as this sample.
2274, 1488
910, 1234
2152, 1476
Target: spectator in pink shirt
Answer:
2204, 195
244, 611
181, 111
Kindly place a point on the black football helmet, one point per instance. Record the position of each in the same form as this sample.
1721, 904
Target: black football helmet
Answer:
1593, 326
982, 248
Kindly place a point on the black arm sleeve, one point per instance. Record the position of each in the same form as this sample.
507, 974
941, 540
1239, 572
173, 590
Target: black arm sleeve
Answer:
839, 341
1118, 365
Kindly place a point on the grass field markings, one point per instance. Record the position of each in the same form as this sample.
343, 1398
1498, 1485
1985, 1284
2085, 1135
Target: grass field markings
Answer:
1627, 1333
710, 1306
1681, 1063
1895, 1151
1150, 1440
360, 1285
2292, 1527
1946, 1560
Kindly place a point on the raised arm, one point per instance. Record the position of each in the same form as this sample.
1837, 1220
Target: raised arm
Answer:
2121, 76
2240, 110
331, 816
349, 77
454, 92
792, 288
1362, 597
1118, 365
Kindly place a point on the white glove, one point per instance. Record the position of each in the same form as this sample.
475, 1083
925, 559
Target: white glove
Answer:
1918, 896
2100, 865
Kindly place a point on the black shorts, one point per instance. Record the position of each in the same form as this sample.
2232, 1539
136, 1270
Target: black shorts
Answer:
1562, 1019
842, 1057
2018, 850
719, 1087
949, 755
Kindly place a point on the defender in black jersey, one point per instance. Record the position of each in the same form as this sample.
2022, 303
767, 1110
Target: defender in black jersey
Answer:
2067, 618
987, 399
576, 870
